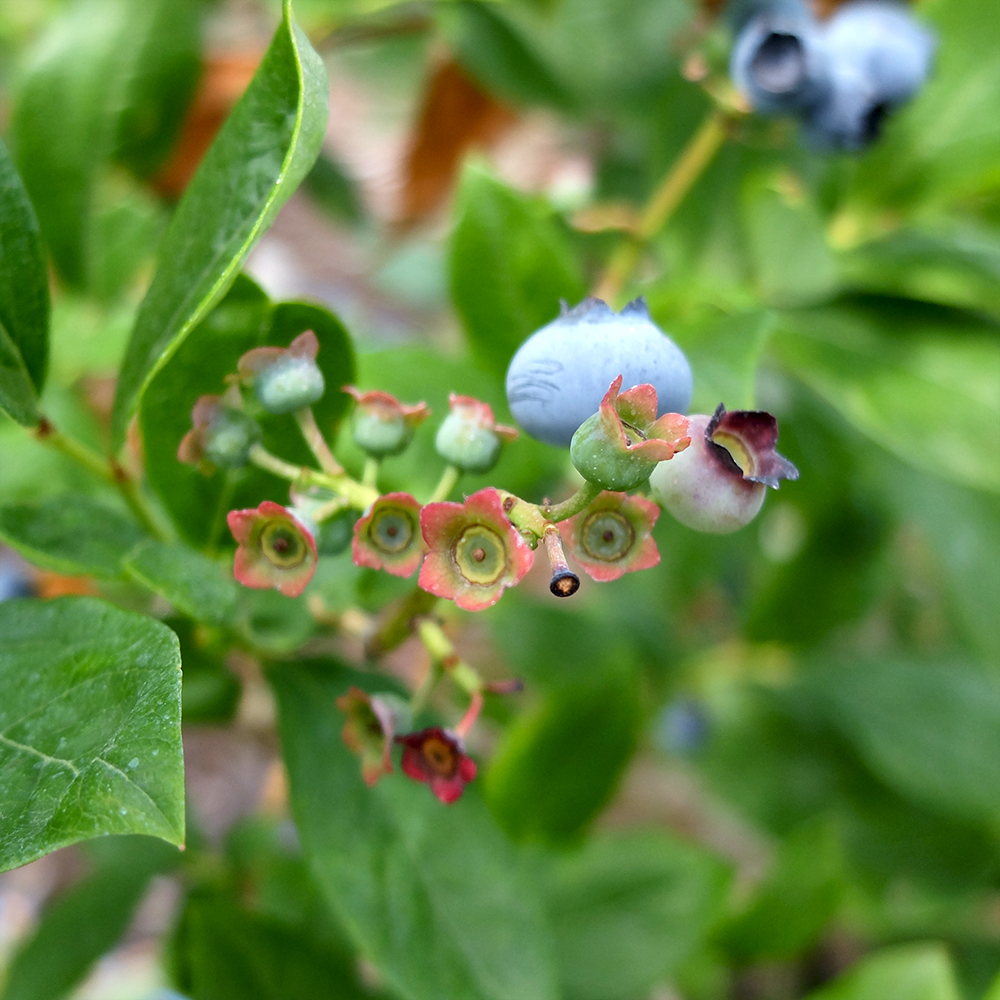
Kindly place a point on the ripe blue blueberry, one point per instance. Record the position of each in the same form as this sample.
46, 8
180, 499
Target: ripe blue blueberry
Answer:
778, 62
560, 374
879, 57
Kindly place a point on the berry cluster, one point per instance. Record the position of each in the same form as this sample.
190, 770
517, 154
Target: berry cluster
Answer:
843, 76
710, 472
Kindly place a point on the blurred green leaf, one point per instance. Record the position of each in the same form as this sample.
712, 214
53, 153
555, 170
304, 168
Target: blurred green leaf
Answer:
90, 739
194, 584
87, 921
557, 766
510, 265
944, 145
210, 692
17, 394
243, 320
909, 972
70, 533
497, 55
24, 288
263, 151
929, 729
791, 908
918, 380
993, 993
109, 74
957, 265
627, 909
333, 190
791, 260
435, 897
225, 952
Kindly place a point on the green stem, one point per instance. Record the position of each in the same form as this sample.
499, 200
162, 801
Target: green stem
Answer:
396, 625
448, 481
422, 695
317, 443
689, 166
369, 477
443, 651
110, 472
325, 511
357, 494
583, 497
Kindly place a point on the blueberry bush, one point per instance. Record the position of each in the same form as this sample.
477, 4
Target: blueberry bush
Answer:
512, 659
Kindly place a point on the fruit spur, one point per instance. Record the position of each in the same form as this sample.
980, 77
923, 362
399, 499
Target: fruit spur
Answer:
609, 386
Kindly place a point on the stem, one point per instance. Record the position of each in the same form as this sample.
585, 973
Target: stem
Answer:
564, 582
423, 693
110, 472
468, 720
448, 481
397, 625
577, 502
317, 443
327, 510
688, 167
219, 518
369, 477
442, 651
357, 494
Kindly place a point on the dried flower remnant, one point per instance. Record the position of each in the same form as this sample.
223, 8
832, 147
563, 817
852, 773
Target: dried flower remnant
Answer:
475, 552
613, 536
388, 536
368, 731
275, 549
437, 758
221, 436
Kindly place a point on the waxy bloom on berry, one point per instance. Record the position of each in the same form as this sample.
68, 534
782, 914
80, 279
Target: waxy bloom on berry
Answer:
475, 552
437, 758
718, 484
383, 425
469, 437
620, 445
613, 536
222, 435
284, 379
368, 731
388, 536
275, 549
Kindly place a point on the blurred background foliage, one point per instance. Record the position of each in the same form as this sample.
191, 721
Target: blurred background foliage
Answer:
769, 768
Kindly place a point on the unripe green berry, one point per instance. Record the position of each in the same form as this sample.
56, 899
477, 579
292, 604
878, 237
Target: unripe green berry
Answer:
289, 384
228, 438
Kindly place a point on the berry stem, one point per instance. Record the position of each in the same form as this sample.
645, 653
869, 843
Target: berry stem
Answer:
448, 481
369, 477
397, 624
687, 168
583, 497
355, 493
306, 420
108, 470
443, 652
472, 713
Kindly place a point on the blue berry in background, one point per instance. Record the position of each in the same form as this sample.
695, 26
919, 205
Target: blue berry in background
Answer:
560, 374
15, 580
880, 56
682, 727
778, 62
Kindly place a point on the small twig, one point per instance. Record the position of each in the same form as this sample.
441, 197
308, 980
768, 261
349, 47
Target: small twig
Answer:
317, 443
448, 481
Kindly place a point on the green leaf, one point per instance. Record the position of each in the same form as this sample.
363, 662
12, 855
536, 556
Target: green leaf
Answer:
558, 765
194, 584
86, 921
909, 972
954, 266
791, 260
919, 381
627, 909
930, 730
70, 533
333, 190
24, 283
789, 911
510, 265
243, 320
498, 56
17, 394
263, 151
90, 739
435, 897
89, 90
226, 952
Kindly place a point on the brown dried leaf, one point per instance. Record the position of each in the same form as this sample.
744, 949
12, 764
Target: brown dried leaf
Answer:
456, 115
